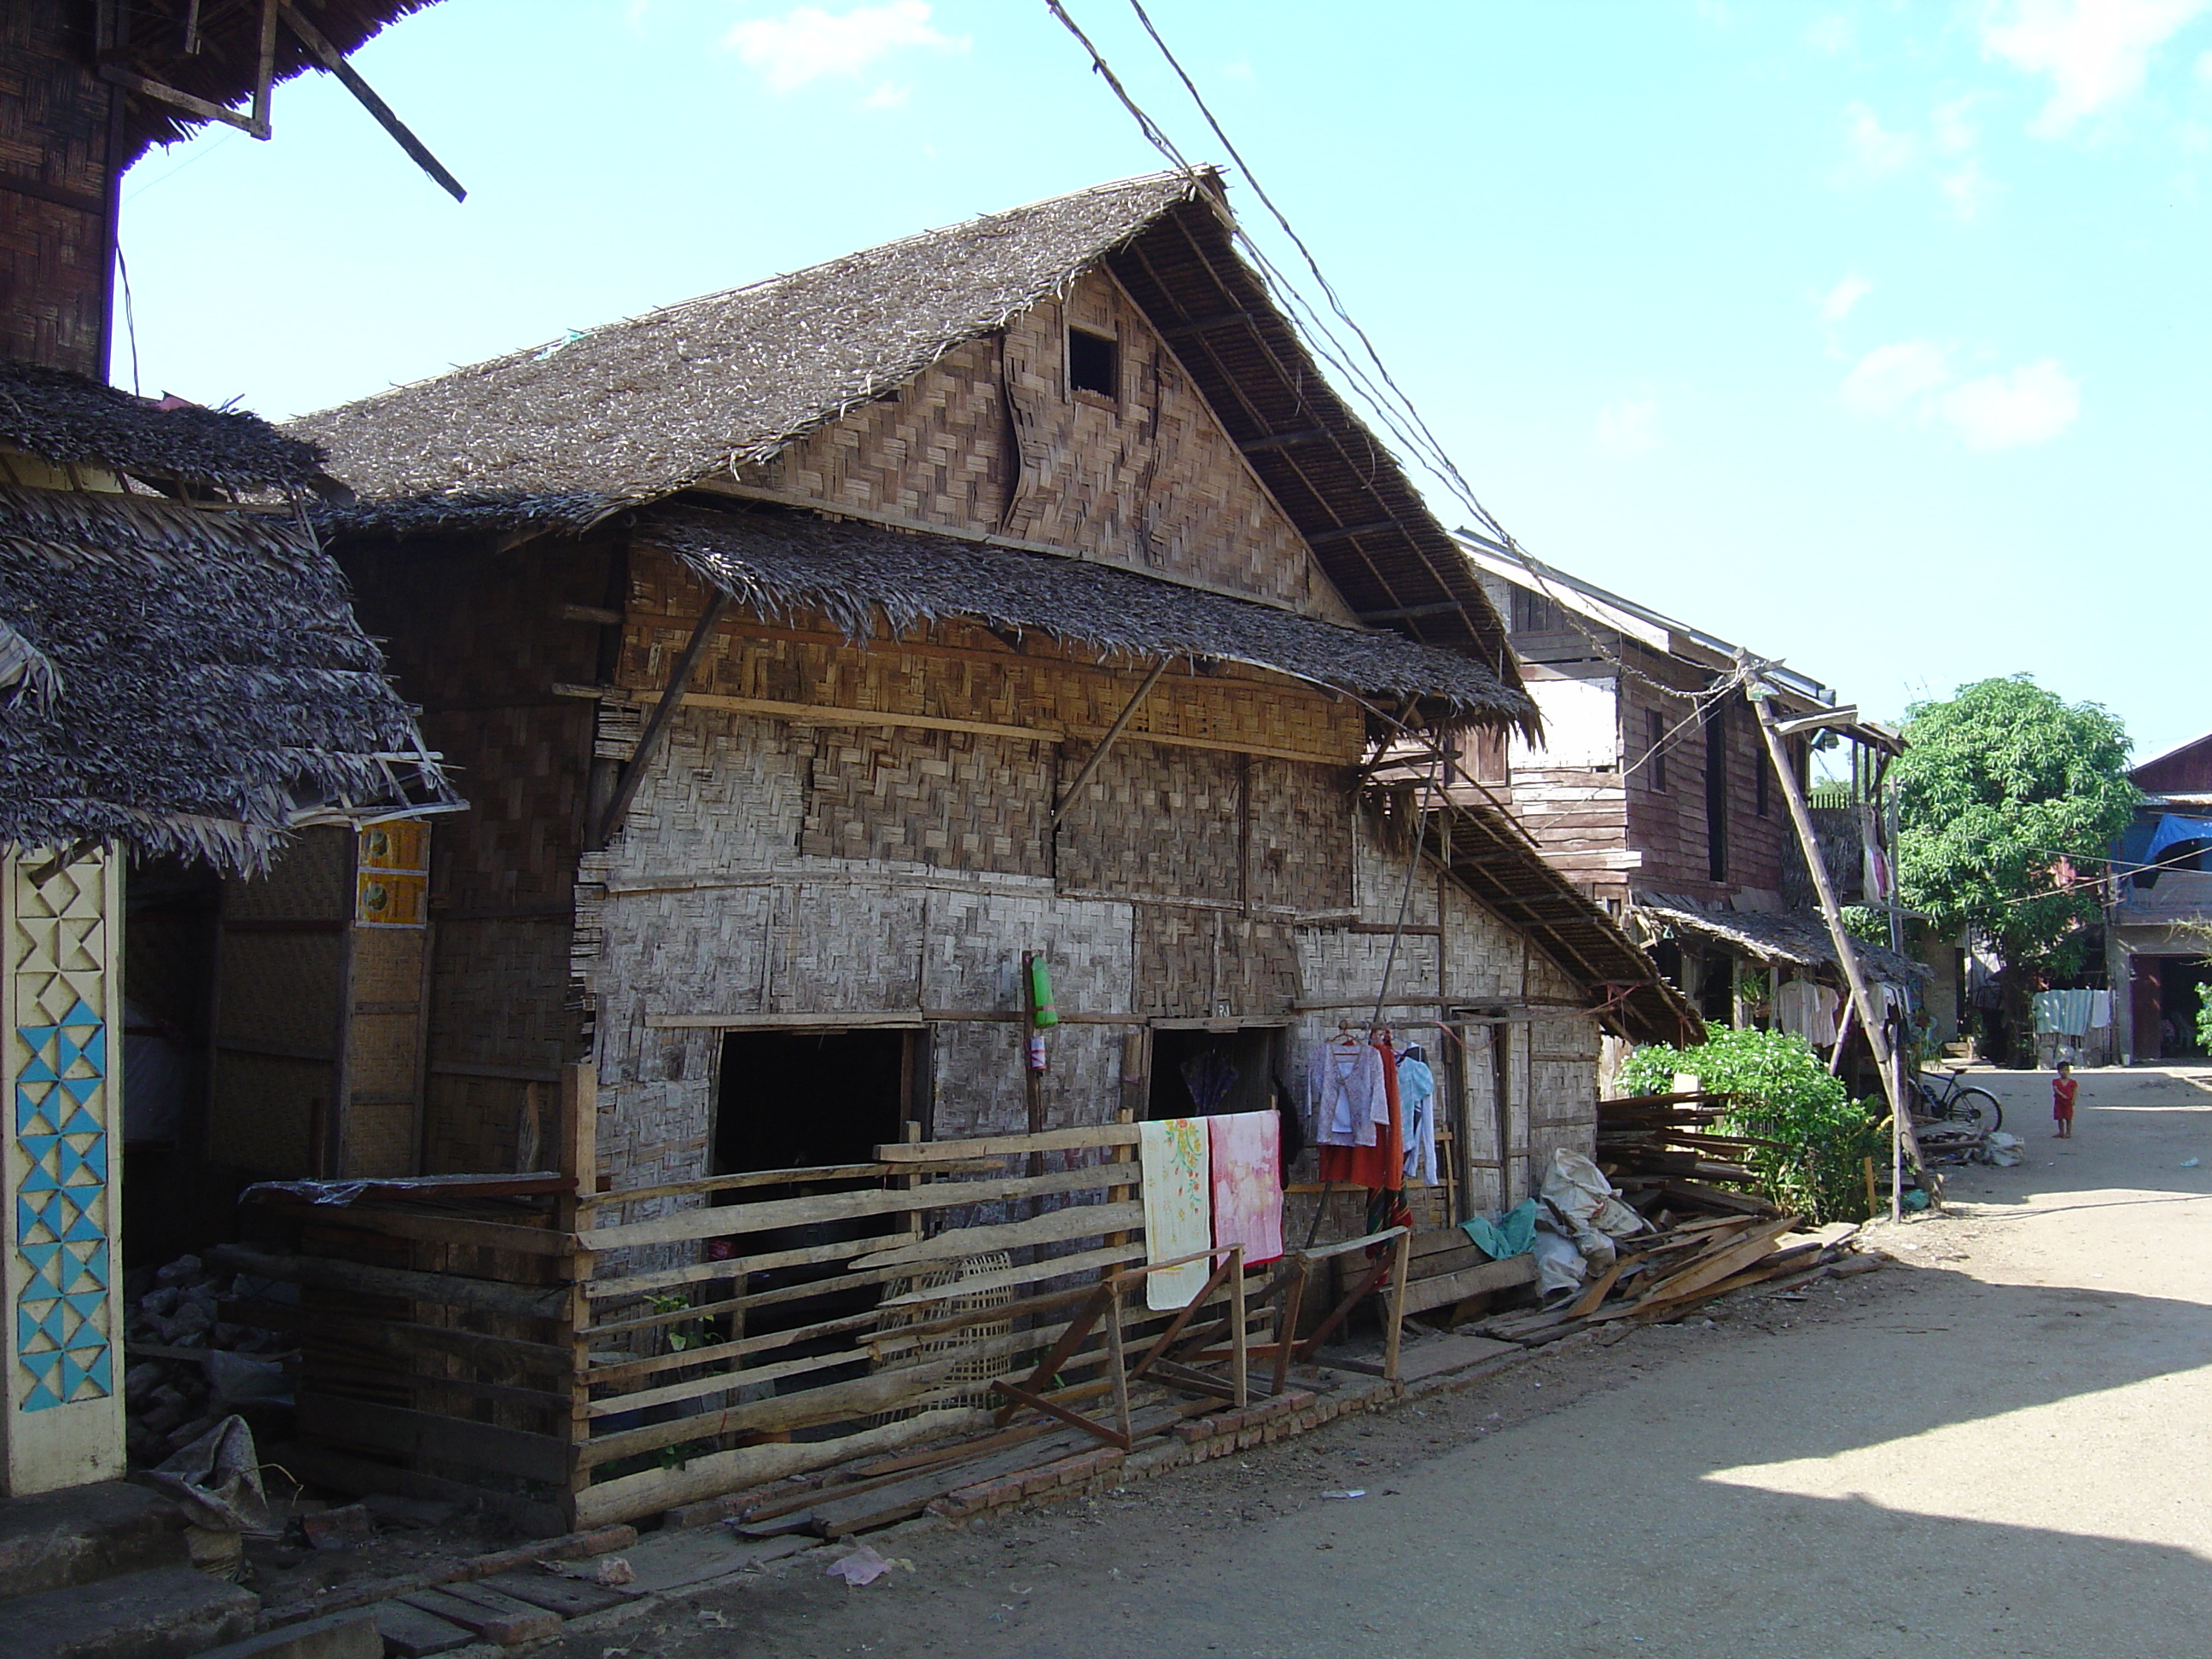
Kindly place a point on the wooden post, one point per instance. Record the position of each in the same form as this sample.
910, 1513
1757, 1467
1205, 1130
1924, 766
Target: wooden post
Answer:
1121, 721
656, 723
1240, 1359
1117, 1365
1394, 1305
1846, 948
577, 1152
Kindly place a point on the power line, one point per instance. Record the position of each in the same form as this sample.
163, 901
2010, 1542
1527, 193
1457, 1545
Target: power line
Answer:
1388, 403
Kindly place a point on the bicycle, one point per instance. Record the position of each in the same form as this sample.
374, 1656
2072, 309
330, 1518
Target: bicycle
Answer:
1950, 1101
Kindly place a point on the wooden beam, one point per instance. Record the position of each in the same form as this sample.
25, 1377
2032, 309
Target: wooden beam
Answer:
1373, 526
349, 77
656, 725
1304, 434
1090, 765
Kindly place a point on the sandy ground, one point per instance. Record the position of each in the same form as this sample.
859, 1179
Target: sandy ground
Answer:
1998, 1446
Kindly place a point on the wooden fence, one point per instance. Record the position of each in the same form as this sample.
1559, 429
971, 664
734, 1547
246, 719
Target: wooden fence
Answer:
584, 1357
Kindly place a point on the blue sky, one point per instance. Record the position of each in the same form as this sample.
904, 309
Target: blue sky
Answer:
1873, 338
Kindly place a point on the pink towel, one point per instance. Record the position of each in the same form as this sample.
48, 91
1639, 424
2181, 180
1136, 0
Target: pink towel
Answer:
1248, 1184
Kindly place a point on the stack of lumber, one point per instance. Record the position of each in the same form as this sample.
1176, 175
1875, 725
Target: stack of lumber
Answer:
1664, 1155
1664, 1275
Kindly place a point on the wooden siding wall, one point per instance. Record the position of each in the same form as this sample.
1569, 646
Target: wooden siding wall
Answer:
1610, 831
54, 137
783, 860
1667, 827
1148, 480
481, 641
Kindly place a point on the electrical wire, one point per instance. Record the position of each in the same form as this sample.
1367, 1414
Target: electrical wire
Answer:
1393, 410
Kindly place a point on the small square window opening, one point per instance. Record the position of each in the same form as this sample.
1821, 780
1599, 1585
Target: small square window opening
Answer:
1093, 364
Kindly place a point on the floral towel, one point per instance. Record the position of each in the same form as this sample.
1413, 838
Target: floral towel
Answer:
1178, 1215
1248, 1184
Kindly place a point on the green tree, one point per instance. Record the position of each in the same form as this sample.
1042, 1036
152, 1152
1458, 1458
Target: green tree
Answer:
2002, 787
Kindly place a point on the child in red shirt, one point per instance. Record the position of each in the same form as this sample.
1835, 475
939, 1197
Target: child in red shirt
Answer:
2061, 1099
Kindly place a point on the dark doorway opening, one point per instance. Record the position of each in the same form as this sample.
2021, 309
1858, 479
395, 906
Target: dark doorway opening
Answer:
1200, 1073
800, 1100
2179, 979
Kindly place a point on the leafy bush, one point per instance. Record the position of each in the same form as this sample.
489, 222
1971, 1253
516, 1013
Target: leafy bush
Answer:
1783, 1095
2204, 1017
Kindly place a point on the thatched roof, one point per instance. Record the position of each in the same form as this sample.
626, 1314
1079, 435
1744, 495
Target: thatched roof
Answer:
570, 431
1782, 939
775, 561
638, 408
186, 680
70, 419
224, 68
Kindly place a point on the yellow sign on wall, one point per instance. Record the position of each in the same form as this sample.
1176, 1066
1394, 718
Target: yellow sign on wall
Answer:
391, 875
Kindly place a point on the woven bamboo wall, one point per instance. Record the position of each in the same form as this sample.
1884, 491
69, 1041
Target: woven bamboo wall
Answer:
481, 640
53, 134
1148, 478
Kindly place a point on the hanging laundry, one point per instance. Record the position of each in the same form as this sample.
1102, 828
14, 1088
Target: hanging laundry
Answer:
1344, 1094
1374, 1162
1417, 1100
1178, 1207
1248, 1184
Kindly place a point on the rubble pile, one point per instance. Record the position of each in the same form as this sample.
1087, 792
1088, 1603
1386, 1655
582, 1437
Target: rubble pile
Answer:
188, 1368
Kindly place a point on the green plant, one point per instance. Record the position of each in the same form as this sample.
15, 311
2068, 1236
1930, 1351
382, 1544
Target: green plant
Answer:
2204, 1017
1811, 1139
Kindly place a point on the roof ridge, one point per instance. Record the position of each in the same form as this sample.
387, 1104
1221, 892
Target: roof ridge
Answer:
1196, 176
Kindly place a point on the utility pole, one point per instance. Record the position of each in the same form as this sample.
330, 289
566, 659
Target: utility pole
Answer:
1869, 1016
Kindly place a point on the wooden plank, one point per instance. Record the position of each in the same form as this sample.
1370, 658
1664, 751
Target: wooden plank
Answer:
719, 1382
723, 1221
1082, 1221
493, 1616
557, 1593
435, 1229
743, 1179
1045, 1268
830, 1403
1322, 1252
1047, 1140
397, 1338
1438, 1242
449, 1290
651, 1490
420, 1434
411, 1633
1424, 1294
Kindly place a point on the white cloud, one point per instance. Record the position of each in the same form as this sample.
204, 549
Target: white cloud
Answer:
2095, 52
1873, 149
1628, 427
1834, 34
889, 95
808, 43
1892, 378
2032, 405
1840, 300
1965, 187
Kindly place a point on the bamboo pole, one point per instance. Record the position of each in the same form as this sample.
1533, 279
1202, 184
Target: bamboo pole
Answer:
1846, 947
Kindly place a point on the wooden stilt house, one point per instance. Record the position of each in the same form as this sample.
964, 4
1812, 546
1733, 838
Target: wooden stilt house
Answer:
814, 651
820, 659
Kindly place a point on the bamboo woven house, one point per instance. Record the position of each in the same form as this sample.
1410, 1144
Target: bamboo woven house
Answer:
815, 651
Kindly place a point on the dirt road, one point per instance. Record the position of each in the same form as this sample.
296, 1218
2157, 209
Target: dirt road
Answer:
1999, 1447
